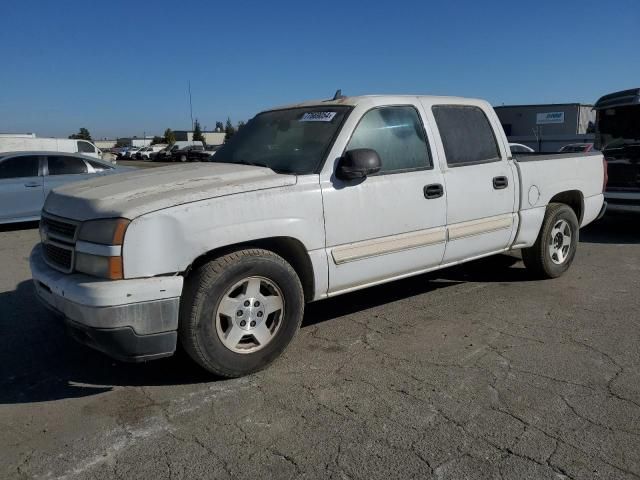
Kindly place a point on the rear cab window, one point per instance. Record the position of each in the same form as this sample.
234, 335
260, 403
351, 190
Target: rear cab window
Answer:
467, 135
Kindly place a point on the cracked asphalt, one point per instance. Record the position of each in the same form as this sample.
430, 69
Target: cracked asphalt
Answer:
471, 372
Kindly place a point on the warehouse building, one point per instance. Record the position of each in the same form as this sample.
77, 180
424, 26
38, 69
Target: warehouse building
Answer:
135, 141
210, 138
548, 127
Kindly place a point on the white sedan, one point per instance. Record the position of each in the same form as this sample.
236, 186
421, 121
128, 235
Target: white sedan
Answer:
26, 178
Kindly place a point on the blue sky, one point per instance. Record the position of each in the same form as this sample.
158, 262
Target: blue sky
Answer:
122, 68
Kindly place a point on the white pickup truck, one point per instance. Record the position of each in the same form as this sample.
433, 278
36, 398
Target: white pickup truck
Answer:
306, 202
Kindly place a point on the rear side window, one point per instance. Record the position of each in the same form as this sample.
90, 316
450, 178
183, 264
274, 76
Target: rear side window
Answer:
86, 147
397, 135
66, 165
19, 167
466, 134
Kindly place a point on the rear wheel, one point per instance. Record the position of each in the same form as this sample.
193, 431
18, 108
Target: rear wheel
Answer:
240, 311
555, 247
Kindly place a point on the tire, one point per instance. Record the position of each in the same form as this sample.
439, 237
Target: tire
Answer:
544, 259
205, 332
183, 158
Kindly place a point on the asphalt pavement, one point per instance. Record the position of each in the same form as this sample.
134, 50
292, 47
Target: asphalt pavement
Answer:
473, 372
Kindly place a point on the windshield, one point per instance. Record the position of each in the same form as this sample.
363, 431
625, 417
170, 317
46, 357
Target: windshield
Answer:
295, 140
618, 127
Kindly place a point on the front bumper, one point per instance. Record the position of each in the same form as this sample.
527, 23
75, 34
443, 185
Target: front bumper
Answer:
130, 320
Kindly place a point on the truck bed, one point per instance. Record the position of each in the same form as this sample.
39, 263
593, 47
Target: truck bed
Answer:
543, 176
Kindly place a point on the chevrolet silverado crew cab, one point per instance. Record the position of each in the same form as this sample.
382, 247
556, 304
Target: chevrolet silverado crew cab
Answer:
305, 202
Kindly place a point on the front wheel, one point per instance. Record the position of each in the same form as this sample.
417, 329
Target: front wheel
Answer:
240, 311
556, 245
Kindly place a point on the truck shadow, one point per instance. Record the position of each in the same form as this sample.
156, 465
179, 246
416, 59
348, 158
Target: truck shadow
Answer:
39, 362
613, 228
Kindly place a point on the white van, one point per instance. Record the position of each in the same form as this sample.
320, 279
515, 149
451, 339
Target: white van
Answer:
25, 144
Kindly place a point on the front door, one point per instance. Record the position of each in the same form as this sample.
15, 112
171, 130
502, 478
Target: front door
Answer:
480, 183
21, 188
384, 226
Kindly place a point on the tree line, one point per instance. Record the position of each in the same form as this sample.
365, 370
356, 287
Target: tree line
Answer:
169, 136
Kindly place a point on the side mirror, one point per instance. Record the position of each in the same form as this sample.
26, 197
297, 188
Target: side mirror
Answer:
358, 163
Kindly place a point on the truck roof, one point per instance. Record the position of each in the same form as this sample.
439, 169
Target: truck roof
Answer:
623, 98
355, 100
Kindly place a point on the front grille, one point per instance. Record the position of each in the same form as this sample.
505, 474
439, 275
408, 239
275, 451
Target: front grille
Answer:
58, 256
58, 237
60, 229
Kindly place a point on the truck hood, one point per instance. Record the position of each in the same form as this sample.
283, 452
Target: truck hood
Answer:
135, 193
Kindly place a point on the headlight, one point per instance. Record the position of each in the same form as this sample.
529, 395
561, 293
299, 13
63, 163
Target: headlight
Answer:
103, 258
107, 232
98, 266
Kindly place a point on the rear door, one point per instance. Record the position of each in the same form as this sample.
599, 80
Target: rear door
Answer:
479, 180
63, 169
21, 187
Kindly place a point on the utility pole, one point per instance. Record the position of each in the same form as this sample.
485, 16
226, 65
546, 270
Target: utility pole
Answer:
190, 106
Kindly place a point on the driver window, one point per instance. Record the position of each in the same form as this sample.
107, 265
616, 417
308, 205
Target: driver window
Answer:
397, 135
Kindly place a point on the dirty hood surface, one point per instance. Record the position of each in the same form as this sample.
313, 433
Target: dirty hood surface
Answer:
135, 193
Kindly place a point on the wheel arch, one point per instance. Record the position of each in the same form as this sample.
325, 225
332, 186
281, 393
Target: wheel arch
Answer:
289, 248
572, 198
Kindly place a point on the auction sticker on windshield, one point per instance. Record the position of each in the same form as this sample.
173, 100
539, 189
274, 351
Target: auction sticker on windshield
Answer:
318, 116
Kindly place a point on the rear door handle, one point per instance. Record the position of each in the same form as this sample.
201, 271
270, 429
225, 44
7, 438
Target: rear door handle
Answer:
32, 185
435, 190
500, 183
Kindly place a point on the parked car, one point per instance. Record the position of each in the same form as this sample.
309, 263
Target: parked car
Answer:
131, 152
146, 152
203, 155
576, 148
29, 144
183, 154
26, 178
166, 154
109, 156
520, 148
139, 154
618, 136
303, 203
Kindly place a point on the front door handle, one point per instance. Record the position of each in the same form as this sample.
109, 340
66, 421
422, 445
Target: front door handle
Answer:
500, 183
435, 190
32, 185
